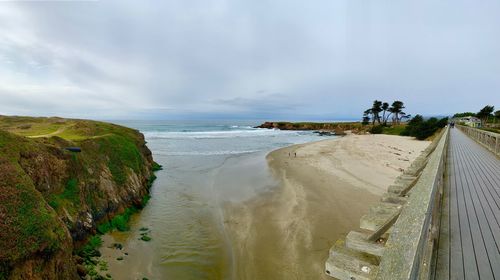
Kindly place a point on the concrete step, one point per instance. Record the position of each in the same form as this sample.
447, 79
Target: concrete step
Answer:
347, 264
405, 177
390, 197
378, 215
402, 185
413, 170
397, 188
404, 180
358, 241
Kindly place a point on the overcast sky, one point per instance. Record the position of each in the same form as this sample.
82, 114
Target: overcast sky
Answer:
274, 59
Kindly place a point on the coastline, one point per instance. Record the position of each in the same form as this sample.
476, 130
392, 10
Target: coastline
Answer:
286, 232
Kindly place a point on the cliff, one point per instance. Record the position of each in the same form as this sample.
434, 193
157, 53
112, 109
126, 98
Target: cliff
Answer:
52, 199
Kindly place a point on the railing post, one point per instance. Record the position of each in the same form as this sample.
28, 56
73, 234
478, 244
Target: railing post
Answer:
497, 150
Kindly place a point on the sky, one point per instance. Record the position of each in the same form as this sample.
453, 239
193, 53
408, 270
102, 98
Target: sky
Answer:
254, 59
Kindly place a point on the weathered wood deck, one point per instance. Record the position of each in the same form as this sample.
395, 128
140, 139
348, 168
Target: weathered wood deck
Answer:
469, 240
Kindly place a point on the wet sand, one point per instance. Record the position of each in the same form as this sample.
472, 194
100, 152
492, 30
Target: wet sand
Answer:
185, 219
286, 232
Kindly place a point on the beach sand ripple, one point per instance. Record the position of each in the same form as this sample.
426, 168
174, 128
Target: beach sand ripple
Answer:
286, 232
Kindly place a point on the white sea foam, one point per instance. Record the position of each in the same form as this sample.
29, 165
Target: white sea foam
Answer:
215, 134
204, 153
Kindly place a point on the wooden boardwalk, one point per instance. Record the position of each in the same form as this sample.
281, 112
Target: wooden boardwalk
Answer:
469, 239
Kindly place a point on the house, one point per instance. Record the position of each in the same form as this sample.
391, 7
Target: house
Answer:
470, 121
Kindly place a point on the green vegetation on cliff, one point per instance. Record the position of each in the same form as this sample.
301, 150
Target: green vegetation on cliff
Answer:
52, 198
29, 226
121, 153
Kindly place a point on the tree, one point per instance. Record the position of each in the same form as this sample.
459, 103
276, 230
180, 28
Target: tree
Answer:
464, 114
385, 108
497, 114
404, 116
376, 109
397, 109
366, 117
485, 113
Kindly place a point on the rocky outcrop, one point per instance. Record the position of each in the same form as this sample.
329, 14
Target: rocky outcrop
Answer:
52, 199
338, 127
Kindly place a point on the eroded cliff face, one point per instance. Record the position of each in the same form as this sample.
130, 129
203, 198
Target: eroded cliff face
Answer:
52, 199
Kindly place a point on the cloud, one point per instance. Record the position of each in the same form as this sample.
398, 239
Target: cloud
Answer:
246, 59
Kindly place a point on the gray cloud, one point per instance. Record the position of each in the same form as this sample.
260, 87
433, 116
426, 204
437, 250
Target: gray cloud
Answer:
246, 59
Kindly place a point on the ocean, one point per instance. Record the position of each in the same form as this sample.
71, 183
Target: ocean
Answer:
205, 165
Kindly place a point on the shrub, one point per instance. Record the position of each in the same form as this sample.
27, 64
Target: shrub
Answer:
421, 129
377, 129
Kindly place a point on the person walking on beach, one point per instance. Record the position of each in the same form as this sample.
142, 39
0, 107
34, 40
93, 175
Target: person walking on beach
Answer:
295, 154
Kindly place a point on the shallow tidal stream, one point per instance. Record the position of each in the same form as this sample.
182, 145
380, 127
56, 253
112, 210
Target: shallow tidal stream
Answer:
205, 165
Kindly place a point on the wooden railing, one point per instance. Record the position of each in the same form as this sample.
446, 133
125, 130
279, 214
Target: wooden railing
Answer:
410, 248
489, 140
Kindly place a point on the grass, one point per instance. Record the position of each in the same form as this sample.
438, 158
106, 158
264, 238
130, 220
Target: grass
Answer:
68, 129
122, 154
69, 198
393, 130
28, 225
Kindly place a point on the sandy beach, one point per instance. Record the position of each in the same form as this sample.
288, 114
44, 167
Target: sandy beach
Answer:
286, 232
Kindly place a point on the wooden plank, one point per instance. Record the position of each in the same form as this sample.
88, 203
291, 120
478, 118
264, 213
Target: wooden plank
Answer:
469, 259
469, 245
478, 257
487, 254
456, 259
490, 204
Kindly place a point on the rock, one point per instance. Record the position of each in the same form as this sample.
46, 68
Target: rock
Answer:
78, 259
81, 270
145, 238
